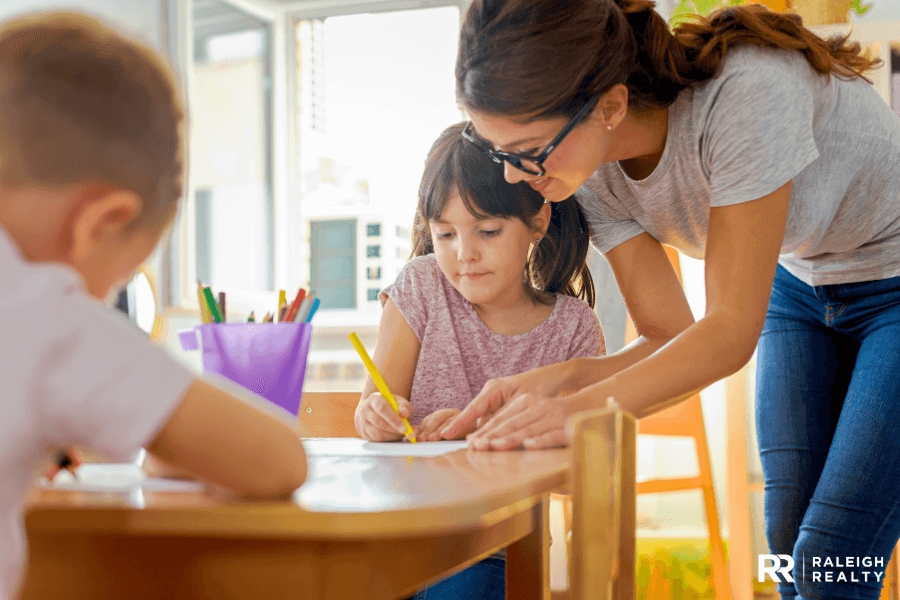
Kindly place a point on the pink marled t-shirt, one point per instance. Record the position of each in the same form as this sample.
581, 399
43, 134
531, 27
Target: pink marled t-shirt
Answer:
460, 354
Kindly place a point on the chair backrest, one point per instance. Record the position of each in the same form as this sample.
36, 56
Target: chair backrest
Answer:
604, 505
328, 414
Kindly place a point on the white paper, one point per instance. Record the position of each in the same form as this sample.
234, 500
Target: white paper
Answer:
359, 447
121, 478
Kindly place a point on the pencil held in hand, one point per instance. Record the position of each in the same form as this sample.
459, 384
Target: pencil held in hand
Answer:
380, 384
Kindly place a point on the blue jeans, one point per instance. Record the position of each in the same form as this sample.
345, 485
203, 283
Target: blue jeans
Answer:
828, 423
485, 580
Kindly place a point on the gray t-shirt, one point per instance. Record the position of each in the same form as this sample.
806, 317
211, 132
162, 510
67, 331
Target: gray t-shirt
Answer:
765, 119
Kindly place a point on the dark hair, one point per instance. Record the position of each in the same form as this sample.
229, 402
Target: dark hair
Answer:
81, 103
557, 265
546, 58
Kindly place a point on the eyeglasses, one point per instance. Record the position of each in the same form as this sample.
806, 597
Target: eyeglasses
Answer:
533, 165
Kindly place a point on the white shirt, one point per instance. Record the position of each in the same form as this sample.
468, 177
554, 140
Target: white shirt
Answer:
72, 372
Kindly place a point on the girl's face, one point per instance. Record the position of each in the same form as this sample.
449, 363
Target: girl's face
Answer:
484, 258
569, 165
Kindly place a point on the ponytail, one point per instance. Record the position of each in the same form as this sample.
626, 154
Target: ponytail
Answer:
558, 264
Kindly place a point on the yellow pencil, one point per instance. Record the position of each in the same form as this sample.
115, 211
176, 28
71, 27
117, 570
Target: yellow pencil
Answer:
380, 384
205, 313
282, 302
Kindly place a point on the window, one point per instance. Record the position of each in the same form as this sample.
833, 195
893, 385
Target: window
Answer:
309, 125
332, 265
203, 234
895, 79
372, 294
230, 155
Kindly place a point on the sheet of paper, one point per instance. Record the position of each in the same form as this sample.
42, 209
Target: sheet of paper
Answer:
117, 478
359, 447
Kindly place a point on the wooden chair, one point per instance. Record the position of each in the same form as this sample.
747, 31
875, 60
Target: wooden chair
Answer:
328, 414
602, 565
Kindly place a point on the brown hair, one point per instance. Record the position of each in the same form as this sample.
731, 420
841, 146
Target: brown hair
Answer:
80, 103
546, 58
557, 265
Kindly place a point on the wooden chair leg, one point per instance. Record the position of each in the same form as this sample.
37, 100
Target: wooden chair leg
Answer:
716, 550
891, 588
895, 574
567, 521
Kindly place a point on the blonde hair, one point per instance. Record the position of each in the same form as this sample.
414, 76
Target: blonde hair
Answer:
81, 103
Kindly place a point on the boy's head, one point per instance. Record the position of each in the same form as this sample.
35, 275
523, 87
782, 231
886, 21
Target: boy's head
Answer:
90, 145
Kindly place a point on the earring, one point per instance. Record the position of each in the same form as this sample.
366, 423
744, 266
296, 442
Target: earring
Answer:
609, 127
537, 241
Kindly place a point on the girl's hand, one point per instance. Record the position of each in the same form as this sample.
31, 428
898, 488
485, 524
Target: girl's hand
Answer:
376, 421
430, 427
543, 381
528, 421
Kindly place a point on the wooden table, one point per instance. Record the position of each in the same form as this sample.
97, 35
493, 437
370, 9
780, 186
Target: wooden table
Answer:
360, 528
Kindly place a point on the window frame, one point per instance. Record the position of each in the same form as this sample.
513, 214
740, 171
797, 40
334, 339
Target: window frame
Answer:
287, 252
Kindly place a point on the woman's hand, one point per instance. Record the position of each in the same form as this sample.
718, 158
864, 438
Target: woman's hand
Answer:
429, 430
543, 381
528, 421
376, 421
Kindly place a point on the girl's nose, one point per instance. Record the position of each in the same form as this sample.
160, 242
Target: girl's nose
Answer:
466, 250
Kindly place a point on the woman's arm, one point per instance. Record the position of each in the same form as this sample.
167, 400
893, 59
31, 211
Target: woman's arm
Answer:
655, 302
396, 355
742, 249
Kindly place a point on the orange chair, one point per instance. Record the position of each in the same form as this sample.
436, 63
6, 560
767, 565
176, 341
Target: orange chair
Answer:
891, 589
685, 419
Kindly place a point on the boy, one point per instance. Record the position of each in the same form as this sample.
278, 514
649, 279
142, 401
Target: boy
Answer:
90, 177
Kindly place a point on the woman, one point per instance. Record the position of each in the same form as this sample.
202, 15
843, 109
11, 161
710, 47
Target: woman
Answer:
747, 141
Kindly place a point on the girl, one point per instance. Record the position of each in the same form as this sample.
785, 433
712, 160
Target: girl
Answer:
498, 285
747, 141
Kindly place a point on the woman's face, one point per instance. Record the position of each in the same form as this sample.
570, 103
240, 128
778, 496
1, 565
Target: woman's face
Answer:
569, 165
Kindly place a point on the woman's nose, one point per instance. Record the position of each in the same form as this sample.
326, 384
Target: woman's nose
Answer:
512, 174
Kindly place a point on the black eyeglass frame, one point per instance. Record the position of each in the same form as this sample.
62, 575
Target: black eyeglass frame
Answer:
514, 159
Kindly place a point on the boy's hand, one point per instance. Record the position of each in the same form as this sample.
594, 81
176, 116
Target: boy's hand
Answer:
157, 467
376, 421
68, 460
429, 430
